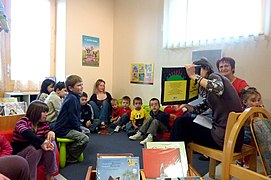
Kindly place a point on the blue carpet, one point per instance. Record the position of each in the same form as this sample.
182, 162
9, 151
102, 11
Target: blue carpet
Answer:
115, 143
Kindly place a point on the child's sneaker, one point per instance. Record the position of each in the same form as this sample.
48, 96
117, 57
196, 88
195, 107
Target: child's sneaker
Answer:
117, 129
137, 136
149, 138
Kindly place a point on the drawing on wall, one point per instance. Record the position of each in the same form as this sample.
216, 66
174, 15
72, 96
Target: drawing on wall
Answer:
142, 73
90, 51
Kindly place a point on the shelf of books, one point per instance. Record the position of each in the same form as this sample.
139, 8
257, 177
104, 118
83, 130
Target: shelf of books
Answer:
161, 160
10, 106
22, 96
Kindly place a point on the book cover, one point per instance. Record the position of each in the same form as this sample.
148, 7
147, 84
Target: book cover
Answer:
177, 87
2, 112
160, 163
176, 144
10, 99
12, 108
120, 168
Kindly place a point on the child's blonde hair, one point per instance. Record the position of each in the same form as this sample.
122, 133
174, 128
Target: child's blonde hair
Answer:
113, 101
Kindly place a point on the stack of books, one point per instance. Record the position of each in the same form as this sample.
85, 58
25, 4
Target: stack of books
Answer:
10, 106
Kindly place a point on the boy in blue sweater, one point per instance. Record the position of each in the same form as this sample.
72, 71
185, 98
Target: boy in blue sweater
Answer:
68, 121
158, 122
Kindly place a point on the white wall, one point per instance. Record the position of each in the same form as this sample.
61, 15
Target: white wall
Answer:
138, 39
92, 18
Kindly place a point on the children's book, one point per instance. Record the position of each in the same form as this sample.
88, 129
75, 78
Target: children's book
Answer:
10, 99
161, 163
2, 112
120, 168
12, 108
177, 87
182, 150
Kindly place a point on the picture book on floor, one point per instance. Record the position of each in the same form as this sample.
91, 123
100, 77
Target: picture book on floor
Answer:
160, 163
176, 144
121, 168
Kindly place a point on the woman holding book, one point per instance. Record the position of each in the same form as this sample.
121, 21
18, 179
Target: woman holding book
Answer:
220, 96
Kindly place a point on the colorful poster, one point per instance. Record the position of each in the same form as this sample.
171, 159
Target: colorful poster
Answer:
142, 73
90, 51
177, 87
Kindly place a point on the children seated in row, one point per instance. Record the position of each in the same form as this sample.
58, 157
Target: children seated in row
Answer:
158, 122
87, 116
68, 121
54, 102
137, 118
120, 115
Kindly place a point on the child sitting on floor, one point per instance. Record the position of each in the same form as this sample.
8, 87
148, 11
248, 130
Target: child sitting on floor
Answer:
158, 122
123, 116
89, 124
138, 116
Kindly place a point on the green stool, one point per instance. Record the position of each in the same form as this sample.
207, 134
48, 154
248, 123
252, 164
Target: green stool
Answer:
62, 142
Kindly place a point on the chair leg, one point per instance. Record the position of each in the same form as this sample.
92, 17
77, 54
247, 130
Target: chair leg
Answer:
212, 166
62, 155
190, 155
253, 162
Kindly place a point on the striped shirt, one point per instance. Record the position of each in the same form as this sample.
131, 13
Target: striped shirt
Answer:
24, 135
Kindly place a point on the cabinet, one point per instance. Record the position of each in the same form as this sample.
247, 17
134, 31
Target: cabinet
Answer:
22, 96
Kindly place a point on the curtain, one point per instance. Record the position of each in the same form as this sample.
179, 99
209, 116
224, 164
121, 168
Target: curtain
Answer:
190, 23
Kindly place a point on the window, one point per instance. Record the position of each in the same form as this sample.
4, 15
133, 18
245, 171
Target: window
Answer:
30, 39
194, 22
28, 49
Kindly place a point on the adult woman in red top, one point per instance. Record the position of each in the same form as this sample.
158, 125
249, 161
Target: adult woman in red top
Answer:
101, 102
226, 67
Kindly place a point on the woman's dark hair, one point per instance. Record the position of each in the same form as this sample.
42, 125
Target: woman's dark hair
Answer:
203, 62
45, 84
229, 60
59, 86
35, 109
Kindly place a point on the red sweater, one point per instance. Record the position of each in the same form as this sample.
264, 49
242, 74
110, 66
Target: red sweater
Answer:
5, 147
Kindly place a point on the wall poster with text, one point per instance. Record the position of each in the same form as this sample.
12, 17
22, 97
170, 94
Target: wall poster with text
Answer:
142, 73
90, 51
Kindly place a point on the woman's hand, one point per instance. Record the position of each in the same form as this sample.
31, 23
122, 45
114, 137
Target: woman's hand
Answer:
47, 146
51, 136
187, 107
191, 71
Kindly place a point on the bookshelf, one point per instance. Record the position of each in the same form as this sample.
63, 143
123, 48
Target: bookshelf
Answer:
22, 96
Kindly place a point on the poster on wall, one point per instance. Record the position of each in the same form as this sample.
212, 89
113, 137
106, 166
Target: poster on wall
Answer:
90, 51
177, 87
142, 73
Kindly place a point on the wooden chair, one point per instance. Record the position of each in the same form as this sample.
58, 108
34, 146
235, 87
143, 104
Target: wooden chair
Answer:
228, 167
218, 155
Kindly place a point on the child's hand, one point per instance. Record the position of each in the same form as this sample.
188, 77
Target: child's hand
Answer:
135, 126
47, 146
88, 123
51, 136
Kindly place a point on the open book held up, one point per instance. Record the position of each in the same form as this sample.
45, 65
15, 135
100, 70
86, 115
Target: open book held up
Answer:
177, 87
